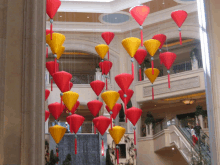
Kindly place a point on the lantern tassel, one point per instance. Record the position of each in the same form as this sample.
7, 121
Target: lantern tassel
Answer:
51, 31
180, 37
108, 55
152, 93
106, 81
134, 137
168, 80
140, 77
117, 156
51, 84
75, 145
46, 51
152, 66
94, 129
132, 66
111, 120
102, 148
141, 38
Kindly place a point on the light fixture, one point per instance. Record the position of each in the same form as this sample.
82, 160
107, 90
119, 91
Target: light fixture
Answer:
155, 105
115, 17
87, 17
172, 148
188, 101
61, 16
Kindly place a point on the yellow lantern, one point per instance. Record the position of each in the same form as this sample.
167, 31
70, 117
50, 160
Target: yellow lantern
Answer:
60, 52
131, 45
110, 98
152, 46
70, 98
117, 133
152, 77
102, 50
57, 132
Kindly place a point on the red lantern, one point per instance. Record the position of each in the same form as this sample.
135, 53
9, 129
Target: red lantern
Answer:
75, 107
140, 56
56, 109
105, 66
179, 17
62, 79
167, 58
47, 114
102, 123
51, 9
134, 114
51, 69
140, 13
108, 37
124, 81
116, 109
47, 93
162, 38
97, 87
68, 87
126, 99
94, 107
75, 121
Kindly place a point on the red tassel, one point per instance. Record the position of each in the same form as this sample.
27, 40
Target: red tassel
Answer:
141, 38
134, 137
47, 52
51, 30
132, 66
168, 80
51, 84
108, 55
106, 84
180, 37
102, 148
55, 64
117, 156
58, 67
111, 120
152, 66
140, 77
152, 93
94, 129
75, 145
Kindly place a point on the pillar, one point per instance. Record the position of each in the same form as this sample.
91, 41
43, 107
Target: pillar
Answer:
208, 14
22, 69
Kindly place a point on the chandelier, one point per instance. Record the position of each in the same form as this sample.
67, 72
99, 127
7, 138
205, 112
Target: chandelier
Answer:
188, 101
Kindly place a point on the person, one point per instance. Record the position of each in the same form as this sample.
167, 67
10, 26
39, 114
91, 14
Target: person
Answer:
197, 129
194, 138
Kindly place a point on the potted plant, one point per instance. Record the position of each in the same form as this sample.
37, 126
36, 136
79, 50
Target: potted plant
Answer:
53, 159
67, 161
149, 120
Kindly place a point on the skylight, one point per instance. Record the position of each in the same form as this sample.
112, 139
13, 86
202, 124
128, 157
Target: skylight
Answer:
90, 0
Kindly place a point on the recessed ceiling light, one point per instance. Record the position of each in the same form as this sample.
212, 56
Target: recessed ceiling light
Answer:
115, 17
172, 148
87, 17
155, 105
60, 15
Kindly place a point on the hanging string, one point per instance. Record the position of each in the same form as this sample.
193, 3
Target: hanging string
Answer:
111, 118
102, 147
152, 92
134, 136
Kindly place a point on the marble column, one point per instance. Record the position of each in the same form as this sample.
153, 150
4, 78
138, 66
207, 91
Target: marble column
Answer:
208, 14
22, 69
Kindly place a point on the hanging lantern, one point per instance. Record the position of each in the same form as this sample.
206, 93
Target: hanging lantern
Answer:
124, 81
108, 37
68, 86
140, 56
105, 66
179, 17
140, 13
102, 49
134, 114
110, 98
101, 123
152, 77
47, 114
51, 69
116, 109
126, 99
94, 107
162, 38
97, 86
69, 99
61, 79
75, 107
152, 46
47, 93
56, 45
167, 59
57, 132
117, 133
51, 9
47, 32
56, 109
75, 121
131, 45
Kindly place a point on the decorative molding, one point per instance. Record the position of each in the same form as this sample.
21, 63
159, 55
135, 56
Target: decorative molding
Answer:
183, 84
